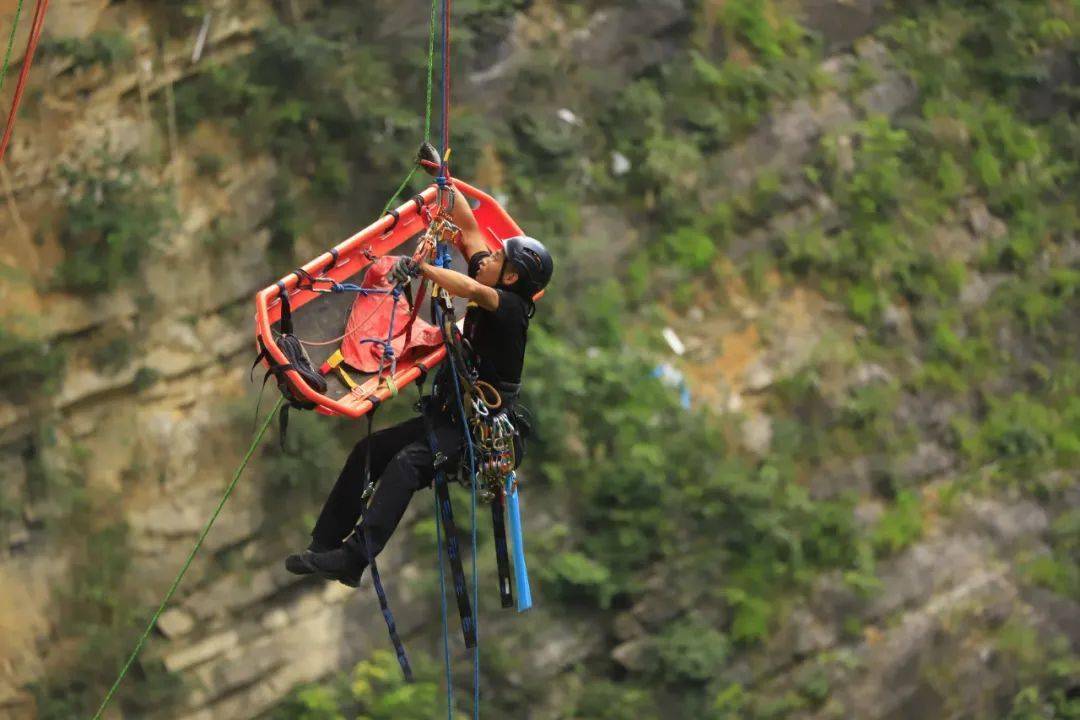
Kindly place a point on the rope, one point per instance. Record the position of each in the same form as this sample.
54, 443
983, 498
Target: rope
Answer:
475, 577
444, 258
380, 591
442, 610
28, 59
430, 69
427, 105
446, 82
190, 557
349, 333
11, 44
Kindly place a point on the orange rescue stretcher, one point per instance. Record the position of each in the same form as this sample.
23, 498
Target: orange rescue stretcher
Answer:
347, 395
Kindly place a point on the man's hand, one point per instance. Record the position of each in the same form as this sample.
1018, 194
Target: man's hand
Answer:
404, 270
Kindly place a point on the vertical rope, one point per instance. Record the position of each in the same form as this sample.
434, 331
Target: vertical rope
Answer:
427, 102
475, 576
430, 68
191, 556
445, 81
28, 59
442, 610
11, 43
445, 175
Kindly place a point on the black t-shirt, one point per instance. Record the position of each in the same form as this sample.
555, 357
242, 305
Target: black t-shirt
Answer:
498, 337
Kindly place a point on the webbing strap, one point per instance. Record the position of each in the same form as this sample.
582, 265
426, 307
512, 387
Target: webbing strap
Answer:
380, 591
502, 555
453, 550
286, 309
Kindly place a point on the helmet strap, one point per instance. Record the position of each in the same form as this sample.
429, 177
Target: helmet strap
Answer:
502, 271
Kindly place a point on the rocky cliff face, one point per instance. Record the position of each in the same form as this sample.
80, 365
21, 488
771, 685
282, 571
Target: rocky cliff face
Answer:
142, 418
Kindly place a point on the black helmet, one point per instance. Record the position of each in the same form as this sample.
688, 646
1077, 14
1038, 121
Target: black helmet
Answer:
532, 262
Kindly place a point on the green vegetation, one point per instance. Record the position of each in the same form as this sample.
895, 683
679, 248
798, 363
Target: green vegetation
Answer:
1044, 672
28, 367
666, 491
97, 606
900, 224
374, 691
112, 216
323, 101
300, 475
105, 48
900, 526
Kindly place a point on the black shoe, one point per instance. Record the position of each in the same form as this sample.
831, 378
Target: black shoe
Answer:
297, 566
336, 564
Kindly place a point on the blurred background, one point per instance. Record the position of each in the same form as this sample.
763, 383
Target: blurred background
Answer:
805, 384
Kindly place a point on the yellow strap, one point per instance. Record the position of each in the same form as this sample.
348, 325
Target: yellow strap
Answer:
335, 362
348, 380
392, 385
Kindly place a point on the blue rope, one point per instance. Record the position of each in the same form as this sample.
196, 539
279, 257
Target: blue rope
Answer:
443, 260
442, 609
475, 576
353, 287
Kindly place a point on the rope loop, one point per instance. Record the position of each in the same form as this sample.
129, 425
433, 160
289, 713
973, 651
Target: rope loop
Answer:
488, 394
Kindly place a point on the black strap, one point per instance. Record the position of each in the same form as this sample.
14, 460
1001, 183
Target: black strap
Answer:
286, 309
450, 535
419, 200
380, 591
394, 214
303, 276
333, 260
502, 555
299, 362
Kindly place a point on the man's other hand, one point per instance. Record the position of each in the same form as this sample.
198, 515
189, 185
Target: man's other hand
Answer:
404, 270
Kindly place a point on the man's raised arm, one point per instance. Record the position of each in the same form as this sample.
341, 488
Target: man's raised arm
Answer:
472, 237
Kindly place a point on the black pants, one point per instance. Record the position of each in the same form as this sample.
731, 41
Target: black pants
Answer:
401, 459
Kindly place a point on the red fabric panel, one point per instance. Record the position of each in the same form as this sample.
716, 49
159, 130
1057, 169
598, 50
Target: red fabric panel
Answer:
370, 318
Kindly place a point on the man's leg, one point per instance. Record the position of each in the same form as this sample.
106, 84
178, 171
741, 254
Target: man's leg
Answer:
412, 468
342, 507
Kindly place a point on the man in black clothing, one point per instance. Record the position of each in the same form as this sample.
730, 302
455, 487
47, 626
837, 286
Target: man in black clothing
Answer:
500, 287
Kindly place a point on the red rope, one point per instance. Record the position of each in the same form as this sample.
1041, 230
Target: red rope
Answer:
446, 83
24, 73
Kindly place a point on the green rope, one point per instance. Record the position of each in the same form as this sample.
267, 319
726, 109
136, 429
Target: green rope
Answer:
190, 557
430, 69
266, 423
427, 104
11, 43
398, 191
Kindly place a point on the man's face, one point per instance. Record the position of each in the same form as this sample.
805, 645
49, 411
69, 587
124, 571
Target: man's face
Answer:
491, 266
